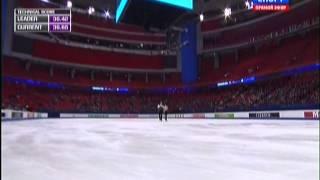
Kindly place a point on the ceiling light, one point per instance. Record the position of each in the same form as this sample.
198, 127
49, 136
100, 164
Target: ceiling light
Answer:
107, 14
91, 10
249, 5
227, 12
201, 17
69, 4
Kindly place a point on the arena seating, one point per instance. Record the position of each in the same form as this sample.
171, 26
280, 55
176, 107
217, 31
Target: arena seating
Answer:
103, 28
120, 36
277, 23
16, 68
271, 57
76, 55
239, 17
281, 92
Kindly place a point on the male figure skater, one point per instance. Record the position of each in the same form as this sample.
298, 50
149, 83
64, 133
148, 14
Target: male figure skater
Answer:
160, 110
165, 109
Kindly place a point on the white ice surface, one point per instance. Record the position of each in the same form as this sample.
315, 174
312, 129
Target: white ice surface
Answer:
105, 149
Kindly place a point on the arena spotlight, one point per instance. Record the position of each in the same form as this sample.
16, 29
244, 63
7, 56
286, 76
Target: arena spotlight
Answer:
107, 14
69, 4
45, 1
249, 5
91, 10
227, 12
201, 17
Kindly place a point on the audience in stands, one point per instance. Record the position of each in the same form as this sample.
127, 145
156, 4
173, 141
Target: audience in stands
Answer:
279, 92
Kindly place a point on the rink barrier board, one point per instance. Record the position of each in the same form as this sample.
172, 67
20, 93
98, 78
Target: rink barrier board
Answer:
290, 114
8, 114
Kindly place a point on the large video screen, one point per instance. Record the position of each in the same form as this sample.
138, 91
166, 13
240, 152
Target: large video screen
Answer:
120, 8
122, 4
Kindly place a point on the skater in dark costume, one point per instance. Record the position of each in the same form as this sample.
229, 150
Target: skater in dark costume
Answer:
165, 109
160, 110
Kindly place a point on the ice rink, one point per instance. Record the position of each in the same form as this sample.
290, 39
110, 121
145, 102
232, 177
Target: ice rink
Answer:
115, 149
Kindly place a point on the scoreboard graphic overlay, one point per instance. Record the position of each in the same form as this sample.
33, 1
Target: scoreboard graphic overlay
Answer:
42, 20
271, 5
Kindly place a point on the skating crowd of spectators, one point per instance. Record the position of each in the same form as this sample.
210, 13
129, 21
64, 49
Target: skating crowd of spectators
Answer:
278, 92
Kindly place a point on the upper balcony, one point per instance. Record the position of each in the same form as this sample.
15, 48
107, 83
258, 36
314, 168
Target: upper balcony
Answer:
275, 22
97, 27
268, 58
